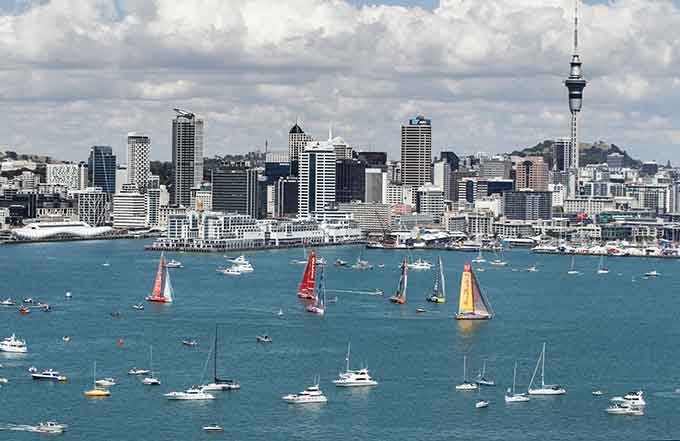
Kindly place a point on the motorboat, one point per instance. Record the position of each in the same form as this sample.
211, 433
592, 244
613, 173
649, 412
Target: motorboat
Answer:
420, 264
308, 396
264, 339
24, 310
213, 428
481, 404
3, 380
151, 381
28, 301
32, 370
192, 393
240, 260
377, 292
138, 307
620, 406
596, 393
466, 385
106, 382
45, 307
66, 339
243, 267
189, 342
68, 295
532, 269
354, 378
544, 389
135, 371
106, 264
340, 262
635, 398
13, 344
420, 310
48, 375
513, 397
50, 427
232, 271
8, 302
172, 263
653, 273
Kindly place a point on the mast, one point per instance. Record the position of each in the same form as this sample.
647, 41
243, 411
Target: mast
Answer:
347, 358
151, 360
158, 283
514, 377
441, 274
543, 366
215, 360
464, 369
403, 292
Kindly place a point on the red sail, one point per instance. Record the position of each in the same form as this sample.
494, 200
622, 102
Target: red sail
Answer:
159, 279
306, 290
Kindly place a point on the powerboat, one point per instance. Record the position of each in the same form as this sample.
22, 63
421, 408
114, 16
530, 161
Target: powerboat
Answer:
138, 307
596, 393
213, 428
13, 344
340, 262
28, 301
189, 342
308, 396
3, 380
243, 267
240, 260
653, 273
420, 264
151, 381
50, 427
67, 296
66, 339
8, 302
172, 263
264, 339
420, 310
192, 393
49, 375
354, 378
135, 371
233, 271
24, 310
620, 406
635, 398
106, 382
481, 404
532, 269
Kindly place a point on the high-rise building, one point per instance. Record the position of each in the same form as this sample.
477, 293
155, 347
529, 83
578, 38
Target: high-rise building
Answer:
286, 197
495, 168
238, 189
416, 151
451, 158
532, 173
376, 185
201, 197
430, 201
527, 205
121, 177
83, 177
316, 190
92, 206
341, 148
297, 140
153, 200
441, 177
187, 156
138, 161
350, 180
373, 159
129, 209
561, 154
67, 175
101, 167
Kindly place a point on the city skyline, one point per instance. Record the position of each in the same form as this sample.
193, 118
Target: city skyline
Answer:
490, 81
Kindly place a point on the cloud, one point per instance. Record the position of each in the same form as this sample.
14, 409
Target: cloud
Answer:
489, 73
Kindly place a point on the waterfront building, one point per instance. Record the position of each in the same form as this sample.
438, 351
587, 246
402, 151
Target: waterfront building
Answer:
236, 189
138, 161
67, 175
153, 201
350, 180
513, 229
532, 174
316, 185
101, 168
129, 209
164, 213
297, 141
397, 194
430, 201
370, 216
187, 156
416, 152
527, 205
649, 196
590, 205
376, 185
286, 197
201, 197
92, 206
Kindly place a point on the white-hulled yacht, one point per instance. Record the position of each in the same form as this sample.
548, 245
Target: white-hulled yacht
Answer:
466, 385
50, 427
511, 396
308, 396
544, 389
192, 393
239, 260
354, 378
13, 344
106, 382
620, 406
49, 375
635, 398
420, 264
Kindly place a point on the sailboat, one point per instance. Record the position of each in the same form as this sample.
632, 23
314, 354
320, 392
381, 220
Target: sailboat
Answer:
96, 391
319, 304
545, 389
399, 296
472, 305
499, 261
572, 270
306, 290
481, 377
361, 263
157, 295
219, 384
466, 385
151, 380
602, 269
480, 257
511, 396
438, 292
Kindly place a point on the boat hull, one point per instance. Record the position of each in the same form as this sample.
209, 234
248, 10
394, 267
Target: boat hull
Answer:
157, 299
547, 391
398, 300
436, 299
473, 317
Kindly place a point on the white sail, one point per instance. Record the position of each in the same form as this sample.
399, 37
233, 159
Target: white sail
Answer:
167, 289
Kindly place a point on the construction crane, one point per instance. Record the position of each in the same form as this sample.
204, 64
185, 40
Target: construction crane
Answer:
184, 113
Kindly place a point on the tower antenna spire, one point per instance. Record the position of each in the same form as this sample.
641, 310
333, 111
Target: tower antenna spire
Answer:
575, 26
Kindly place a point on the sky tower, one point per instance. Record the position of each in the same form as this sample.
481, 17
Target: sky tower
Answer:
575, 83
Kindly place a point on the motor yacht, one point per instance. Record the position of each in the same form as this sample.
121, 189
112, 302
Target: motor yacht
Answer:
620, 406
310, 395
8, 302
264, 339
49, 375
532, 269
3, 380
192, 393
138, 307
174, 264
596, 393
232, 271
653, 273
354, 378
135, 371
635, 398
151, 381
240, 260
481, 404
243, 267
213, 428
420, 264
106, 382
50, 427
13, 344
189, 342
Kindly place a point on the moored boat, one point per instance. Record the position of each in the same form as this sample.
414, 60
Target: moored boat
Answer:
219, 384
48, 375
466, 385
310, 395
544, 389
13, 344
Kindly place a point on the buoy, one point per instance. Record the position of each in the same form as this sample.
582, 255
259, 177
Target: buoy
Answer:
121, 342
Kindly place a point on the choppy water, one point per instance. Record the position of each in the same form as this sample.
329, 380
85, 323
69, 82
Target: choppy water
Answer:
604, 332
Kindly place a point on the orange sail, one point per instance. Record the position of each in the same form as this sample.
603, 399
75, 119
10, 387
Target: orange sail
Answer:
158, 284
306, 290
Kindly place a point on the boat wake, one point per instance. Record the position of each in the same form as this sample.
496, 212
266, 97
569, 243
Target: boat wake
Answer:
19, 428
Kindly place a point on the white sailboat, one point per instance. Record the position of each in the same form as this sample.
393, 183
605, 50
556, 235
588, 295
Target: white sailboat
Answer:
480, 257
151, 380
466, 385
572, 270
511, 396
481, 377
544, 389
602, 269
499, 260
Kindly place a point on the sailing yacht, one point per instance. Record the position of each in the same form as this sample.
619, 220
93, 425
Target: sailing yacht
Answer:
602, 269
472, 304
481, 377
318, 306
544, 389
480, 257
499, 260
511, 396
466, 385
399, 296
96, 391
306, 290
151, 380
354, 378
438, 294
572, 270
219, 384
166, 295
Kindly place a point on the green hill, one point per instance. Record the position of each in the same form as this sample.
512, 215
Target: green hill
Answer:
589, 153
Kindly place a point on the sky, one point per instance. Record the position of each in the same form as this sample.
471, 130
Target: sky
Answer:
489, 73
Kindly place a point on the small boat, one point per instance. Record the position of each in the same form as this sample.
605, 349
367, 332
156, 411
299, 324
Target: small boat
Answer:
8, 302
653, 273
596, 393
192, 393
499, 261
3, 380
354, 378
68, 296
66, 339
138, 307
318, 305
480, 257
280, 313
420, 264
151, 380
32, 369
243, 267
602, 269
213, 428
619, 406
361, 264
28, 300
264, 339
106, 264
473, 304
239, 260
377, 292
544, 389
308, 396
511, 396
635, 398
420, 310
219, 384
48, 375
340, 262
481, 377
572, 270
382, 265
438, 294
96, 391
106, 382
166, 294
306, 289
233, 271
532, 269
13, 344
481, 404
466, 385
50, 427
45, 307
24, 310
174, 264
399, 296
135, 371
189, 342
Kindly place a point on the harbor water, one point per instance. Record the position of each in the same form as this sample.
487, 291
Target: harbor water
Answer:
616, 333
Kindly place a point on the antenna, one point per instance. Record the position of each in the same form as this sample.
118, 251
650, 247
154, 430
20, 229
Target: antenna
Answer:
575, 26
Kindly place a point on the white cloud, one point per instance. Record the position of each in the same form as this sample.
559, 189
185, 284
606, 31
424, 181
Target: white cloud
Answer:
489, 73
